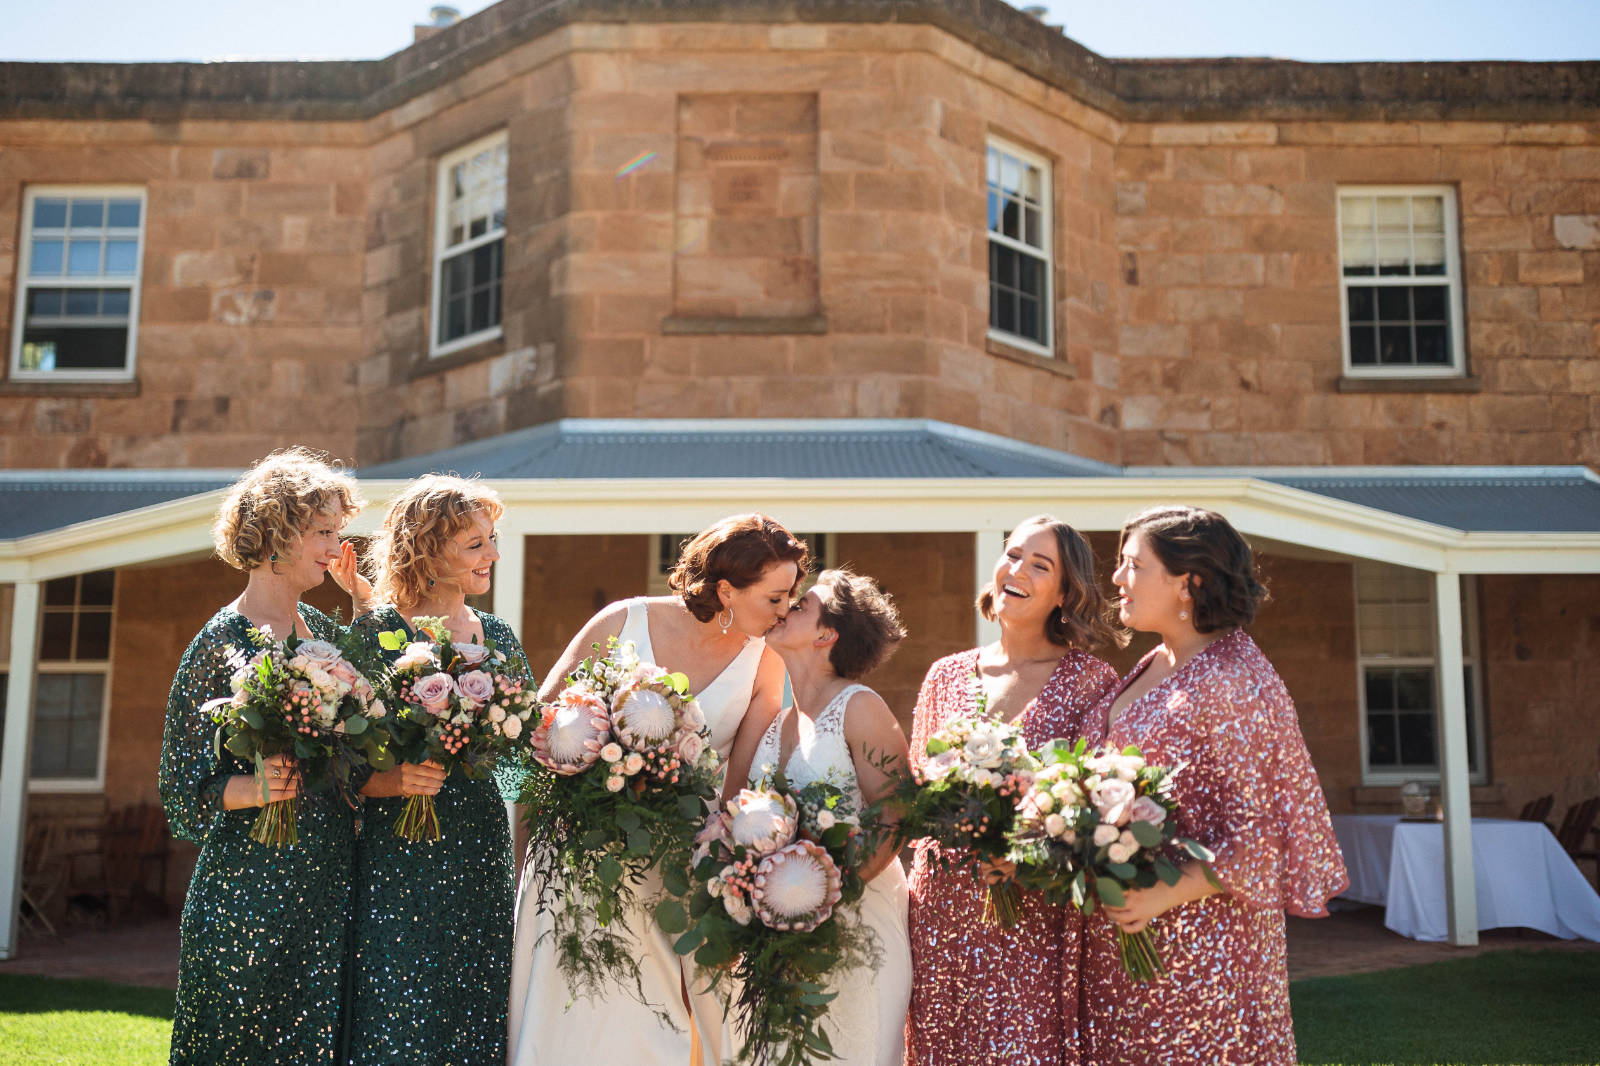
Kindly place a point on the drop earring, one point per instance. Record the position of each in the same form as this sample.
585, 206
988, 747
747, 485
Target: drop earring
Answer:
430, 582
274, 557
729, 623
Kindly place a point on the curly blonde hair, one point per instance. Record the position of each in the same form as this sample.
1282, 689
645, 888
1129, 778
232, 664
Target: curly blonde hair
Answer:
276, 501
405, 554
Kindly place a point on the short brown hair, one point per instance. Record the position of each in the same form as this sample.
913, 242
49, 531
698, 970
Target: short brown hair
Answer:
1204, 545
738, 550
405, 553
1081, 622
864, 616
276, 501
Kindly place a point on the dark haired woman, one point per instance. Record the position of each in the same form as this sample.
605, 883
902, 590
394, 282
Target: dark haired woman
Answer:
733, 582
842, 733
982, 994
1206, 699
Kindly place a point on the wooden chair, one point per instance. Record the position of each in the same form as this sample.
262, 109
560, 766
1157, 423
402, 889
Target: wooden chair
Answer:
1537, 810
43, 874
1579, 834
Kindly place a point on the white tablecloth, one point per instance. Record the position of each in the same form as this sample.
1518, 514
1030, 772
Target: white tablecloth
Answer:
1524, 878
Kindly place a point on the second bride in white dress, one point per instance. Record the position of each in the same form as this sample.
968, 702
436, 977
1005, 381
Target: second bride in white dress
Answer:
844, 734
733, 581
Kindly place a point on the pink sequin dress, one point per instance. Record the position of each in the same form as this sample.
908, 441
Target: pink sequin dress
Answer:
1248, 791
982, 995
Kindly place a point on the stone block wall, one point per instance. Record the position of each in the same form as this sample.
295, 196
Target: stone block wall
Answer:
250, 325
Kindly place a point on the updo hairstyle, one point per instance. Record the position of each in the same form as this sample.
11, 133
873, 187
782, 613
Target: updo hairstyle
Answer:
864, 616
1081, 622
277, 501
1204, 545
406, 553
738, 550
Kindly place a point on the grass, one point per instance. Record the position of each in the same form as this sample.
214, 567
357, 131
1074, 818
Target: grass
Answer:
1504, 1007
49, 1022
1501, 1009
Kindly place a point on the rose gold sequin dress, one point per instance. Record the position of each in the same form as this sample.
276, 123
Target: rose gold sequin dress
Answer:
1248, 791
982, 995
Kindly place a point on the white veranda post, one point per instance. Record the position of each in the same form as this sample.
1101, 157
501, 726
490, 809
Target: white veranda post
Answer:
18, 743
987, 544
1461, 890
508, 578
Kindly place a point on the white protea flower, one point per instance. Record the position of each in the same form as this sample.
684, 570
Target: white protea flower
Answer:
797, 887
644, 715
763, 820
572, 731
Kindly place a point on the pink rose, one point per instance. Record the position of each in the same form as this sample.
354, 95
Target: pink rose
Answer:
1145, 809
476, 685
471, 654
319, 652
1112, 800
512, 727
344, 673
433, 691
1120, 852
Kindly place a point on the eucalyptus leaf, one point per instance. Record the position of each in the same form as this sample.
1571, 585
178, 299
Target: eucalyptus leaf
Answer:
670, 917
355, 725
1148, 836
1109, 891
252, 717
688, 941
675, 880
609, 871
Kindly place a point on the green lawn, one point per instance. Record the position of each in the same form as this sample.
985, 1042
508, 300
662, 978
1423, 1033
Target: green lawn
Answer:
1515, 1007
1505, 1007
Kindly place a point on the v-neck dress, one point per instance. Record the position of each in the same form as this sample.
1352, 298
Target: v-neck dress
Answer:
544, 1029
981, 994
1248, 791
432, 934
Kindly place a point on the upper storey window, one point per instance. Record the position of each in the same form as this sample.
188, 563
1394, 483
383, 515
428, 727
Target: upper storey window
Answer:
1401, 276
469, 245
78, 304
1019, 248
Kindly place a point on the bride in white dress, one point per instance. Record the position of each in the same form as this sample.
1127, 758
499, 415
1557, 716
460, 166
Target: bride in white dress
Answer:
734, 581
843, 733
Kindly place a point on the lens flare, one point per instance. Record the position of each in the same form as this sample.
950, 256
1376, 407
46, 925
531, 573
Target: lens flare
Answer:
634, 164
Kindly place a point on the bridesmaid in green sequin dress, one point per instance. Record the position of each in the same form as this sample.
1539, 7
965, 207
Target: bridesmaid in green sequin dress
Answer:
433, 919
264, 929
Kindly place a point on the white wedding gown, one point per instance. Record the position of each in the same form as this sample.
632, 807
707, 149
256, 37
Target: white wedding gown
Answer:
618, 1030
866, 1021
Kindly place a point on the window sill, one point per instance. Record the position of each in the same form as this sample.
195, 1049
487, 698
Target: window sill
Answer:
487, 348
1027, 358
675, 325
1440, 384
38, 387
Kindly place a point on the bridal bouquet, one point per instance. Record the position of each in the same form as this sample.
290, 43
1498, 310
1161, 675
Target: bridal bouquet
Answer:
964, 797
302, 698
1095, 824
771, 870
460, 704
629, 771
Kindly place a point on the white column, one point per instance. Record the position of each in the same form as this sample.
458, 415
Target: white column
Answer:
508, 577
987, 546
1461, 889
14, 759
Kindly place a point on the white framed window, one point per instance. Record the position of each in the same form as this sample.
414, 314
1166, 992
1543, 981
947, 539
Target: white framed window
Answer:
1398, 675
1400, 279
72, 687
469, 245
665, 547
77, 309
1019, 224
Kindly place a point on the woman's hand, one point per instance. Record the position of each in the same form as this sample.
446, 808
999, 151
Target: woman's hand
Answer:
346, 571
407, 779
997, 872
281, 774
1141, 906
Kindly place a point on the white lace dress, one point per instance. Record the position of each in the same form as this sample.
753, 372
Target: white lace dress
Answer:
617, 1030
866, 1021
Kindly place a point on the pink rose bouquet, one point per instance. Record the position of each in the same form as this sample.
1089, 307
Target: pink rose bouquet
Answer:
302, 698
464, 705
1095, 824
772, 868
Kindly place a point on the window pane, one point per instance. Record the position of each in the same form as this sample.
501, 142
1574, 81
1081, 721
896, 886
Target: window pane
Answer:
46, 302
1433, 347
74, 348
1003, 309
1358, 252
1363, 345
90, 214
1394, 304
1363, 307
1032, 227
1417, 746
1394, 255
123, 214
66, 734
1427, 214
1428, 300
55, 636
1010, 215
1429, 253
122, 257
61, 592
96, 588
1028, 319
1380, 690
94, 636
1030, 278
47, 259
83, 258
83, 303
1383, 748
1394, 345
1413, 690
115, 302
49, 213
994, 211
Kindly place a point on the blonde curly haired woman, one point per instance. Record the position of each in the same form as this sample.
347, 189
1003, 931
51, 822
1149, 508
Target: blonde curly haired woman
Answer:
264, 929
432, 937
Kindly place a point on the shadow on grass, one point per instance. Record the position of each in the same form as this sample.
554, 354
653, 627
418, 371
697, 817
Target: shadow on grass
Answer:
1497, 1009
27, 994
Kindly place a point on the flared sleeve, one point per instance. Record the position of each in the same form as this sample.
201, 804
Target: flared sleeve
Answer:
1270, 828
192, 775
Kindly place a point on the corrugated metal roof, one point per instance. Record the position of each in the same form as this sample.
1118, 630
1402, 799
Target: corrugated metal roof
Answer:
35, 501
1503, 503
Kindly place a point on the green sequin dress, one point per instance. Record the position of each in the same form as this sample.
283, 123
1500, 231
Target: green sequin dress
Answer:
432, 943
264, 930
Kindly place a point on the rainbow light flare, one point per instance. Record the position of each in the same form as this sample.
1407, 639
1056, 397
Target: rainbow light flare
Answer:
634, 164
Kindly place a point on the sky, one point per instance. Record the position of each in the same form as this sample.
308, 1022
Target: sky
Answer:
1328, 30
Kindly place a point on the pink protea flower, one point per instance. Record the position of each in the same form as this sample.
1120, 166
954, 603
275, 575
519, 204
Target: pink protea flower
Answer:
644, 715
762, 820
797, 887
571, 731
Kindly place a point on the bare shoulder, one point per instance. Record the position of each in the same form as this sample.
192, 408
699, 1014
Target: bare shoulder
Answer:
867, 714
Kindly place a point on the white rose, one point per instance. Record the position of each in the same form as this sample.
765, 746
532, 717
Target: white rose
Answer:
736, 907
825, 820
1055, 825
984, 749
1044, 803
497, 713
1105, 835
376, 709
1120, 852
938, 767
512, 728
691, 747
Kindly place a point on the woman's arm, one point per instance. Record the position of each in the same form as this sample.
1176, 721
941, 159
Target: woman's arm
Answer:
882, 759
766, 700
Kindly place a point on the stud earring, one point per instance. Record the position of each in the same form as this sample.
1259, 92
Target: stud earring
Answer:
430, 582
274, 556
729, 623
